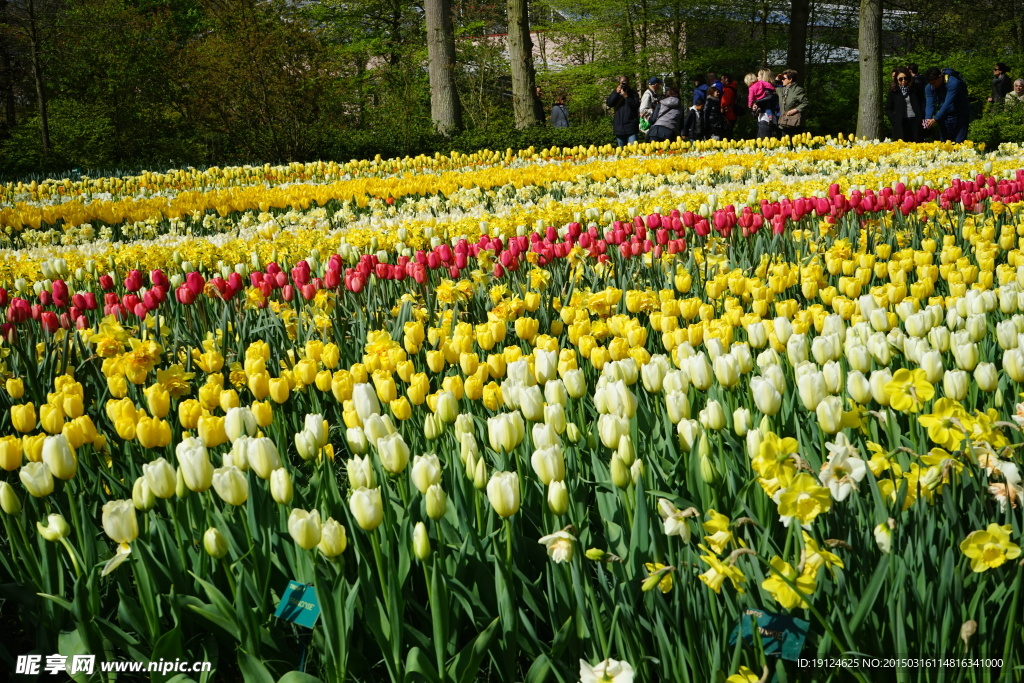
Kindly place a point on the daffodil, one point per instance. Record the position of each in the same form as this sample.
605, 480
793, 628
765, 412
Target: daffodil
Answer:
718, 526
787, 587
941, 423
815, 557
719, 571
990, 548
908, 390
744, 675
658, 575
804, 500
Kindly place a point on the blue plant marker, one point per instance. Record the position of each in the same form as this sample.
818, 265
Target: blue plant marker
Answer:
299, 604
781, 635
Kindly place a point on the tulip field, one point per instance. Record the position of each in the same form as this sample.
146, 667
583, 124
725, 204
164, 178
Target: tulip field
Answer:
686, 412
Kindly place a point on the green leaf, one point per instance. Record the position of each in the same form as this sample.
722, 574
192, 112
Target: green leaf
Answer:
298, 677
169, 647
466, 664
417, 662
59, 600
252, 669
867, 600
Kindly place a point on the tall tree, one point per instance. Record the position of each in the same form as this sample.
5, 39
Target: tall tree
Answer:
445, 107
869, 44
33, 21
520, 54
799, 16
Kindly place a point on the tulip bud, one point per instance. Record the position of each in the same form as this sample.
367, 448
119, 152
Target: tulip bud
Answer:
689, 432
741, 421
753, 442
503, 493
555, 393
620, 472
316, 426
214, 543
420, 542
333, 539
9, 502
305, 528
365, 401
558, 498
142, 495
394, 453
231, 485
699, 371
830, 414
436, 502
356, 439
575, 383
360, 473
367, 508
954, 385
708, 471
626, 451
119, 521
986, 376
433, 428
426, 471
281, 488
160, 478
572, 433
878, 380
480, 475
305, 445
56, 528
713, 416
263, 457
858, 387
766, 397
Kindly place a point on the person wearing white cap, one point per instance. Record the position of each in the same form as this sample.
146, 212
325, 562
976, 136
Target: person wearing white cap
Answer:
651, 97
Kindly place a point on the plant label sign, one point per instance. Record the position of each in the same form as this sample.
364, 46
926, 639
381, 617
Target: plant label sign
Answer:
781, 635
299, 604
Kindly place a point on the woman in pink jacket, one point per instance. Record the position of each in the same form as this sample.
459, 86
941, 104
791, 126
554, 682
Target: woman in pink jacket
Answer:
763, 101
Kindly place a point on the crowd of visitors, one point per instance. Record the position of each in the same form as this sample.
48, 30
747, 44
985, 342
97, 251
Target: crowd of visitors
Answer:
777, 104
917, 105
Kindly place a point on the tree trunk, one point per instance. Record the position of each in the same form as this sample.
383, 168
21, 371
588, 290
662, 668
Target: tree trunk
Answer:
37, 76
796, 57
520, 53
444, 98
869, 44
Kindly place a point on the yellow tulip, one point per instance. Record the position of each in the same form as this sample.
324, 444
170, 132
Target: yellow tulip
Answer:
15, 387
23, 417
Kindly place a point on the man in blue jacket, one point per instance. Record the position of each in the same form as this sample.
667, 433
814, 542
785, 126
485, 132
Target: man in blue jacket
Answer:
946, 103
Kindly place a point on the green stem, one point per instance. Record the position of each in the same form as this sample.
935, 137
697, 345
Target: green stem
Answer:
1012, 617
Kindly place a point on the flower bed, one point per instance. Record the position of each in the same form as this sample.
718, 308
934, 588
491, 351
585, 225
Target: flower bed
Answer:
515, 419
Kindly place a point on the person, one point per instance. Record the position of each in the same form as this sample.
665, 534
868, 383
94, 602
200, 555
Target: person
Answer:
651, 96
792, 104
559, 112
1001, 84
763, 101
946, 104
666, 117
694, 127
1015, 96
538, 105
730, 104
700, 89
713, 117
626, 120
916, 76
905, 107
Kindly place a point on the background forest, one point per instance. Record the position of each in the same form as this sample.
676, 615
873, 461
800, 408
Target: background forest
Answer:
129, 84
